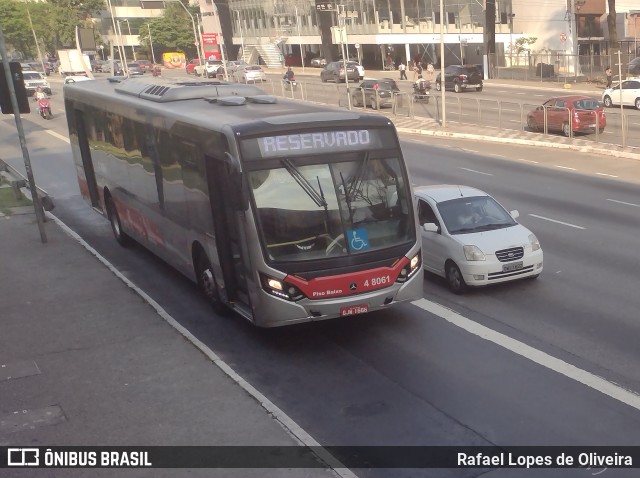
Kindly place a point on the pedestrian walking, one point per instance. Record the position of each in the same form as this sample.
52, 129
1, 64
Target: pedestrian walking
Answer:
609, 75
430, 71
403, 71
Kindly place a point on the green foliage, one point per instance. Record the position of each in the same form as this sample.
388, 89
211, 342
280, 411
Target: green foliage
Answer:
171, 32
54, 23
522, 44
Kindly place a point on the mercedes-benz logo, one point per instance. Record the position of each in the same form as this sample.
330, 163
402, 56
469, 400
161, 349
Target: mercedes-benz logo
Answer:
353, 286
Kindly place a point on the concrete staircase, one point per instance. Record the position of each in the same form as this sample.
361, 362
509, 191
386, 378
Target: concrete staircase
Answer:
268, 50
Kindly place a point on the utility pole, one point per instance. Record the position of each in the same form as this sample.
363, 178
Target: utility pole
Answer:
153, 55
23, 142
442, 81
343, 39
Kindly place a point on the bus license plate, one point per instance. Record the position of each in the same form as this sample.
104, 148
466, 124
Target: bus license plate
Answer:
354, 309
516, 266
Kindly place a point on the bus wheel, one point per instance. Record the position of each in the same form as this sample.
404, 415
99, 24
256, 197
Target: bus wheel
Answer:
207, 283
112, 213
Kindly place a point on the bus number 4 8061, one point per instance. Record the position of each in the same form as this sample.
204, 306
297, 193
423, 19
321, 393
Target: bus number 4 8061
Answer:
377, 281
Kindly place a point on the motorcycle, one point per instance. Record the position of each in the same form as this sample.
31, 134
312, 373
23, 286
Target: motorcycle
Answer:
44, 108
421, 90
156, 71
290, 84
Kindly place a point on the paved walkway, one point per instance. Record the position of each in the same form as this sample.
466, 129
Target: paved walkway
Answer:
85, 361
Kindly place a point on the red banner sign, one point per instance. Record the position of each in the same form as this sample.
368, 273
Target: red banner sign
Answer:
209, 38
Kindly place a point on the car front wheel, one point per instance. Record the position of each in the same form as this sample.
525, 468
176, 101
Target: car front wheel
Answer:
607, 102
637, 103
438, 86
455, 281
457, 88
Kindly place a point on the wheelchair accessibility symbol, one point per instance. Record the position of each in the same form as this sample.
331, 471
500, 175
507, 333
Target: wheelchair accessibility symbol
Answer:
358, 239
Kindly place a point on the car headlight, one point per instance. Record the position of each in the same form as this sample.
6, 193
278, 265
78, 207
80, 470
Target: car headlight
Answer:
473, 253
535, 243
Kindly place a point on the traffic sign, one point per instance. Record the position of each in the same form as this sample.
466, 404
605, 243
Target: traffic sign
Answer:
563, 37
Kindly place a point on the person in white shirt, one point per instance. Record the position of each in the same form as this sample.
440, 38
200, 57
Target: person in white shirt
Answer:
403, 71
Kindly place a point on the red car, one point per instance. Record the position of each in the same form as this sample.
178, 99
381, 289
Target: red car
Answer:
191, 65
567, 114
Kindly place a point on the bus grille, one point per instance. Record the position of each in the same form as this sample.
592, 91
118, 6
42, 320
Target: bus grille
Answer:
512, 254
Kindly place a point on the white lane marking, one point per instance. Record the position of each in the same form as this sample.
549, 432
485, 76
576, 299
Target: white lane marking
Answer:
599, 384
565, 167
59, 136
623, 202
608, 175
556, 221
527, 160
474, 171
287, 423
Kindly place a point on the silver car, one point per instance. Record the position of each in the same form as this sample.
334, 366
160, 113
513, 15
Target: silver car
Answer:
249, 74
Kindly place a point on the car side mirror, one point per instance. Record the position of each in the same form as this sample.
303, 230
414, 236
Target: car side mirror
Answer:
430, 227
515, 214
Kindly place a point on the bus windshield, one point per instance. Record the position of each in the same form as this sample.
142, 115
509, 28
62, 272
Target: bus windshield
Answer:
308, 212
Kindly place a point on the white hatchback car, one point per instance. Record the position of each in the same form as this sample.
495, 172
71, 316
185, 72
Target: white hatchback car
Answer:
249, 74
471, 240
630, 94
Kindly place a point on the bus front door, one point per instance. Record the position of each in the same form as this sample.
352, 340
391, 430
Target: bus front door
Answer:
228, 239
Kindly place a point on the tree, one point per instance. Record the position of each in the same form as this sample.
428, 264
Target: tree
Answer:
54, 22
173, 31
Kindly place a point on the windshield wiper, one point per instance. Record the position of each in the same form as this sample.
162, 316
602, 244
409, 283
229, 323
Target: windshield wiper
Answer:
304, 184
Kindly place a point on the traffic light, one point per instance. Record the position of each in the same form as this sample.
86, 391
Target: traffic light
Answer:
18, 86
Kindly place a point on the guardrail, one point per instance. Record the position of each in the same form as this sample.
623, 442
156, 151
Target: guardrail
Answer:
622, 126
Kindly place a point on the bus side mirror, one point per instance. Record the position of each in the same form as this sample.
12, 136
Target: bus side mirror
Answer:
430, 227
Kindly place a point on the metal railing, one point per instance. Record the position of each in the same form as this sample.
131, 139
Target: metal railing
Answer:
622, 128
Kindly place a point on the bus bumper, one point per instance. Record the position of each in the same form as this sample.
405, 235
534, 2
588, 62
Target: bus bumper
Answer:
276, 312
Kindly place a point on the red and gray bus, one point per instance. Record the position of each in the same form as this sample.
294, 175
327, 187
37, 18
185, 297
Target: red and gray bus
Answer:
282, 211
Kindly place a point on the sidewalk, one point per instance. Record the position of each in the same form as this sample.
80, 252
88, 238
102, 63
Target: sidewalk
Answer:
85, 361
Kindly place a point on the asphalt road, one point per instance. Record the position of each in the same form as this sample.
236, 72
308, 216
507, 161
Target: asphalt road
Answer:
413, 376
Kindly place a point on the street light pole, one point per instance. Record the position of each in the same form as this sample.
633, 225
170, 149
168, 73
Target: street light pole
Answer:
442, 79
241, 34
224, 60
121, 50
195, 32
343, 39
299, 37
35, 38
132, 47
153, 55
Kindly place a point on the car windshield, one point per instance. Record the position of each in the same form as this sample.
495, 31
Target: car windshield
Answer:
306, 211
253, 68
474, 214
32, 76
588, 104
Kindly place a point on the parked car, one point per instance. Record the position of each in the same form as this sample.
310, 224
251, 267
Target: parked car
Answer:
134, 69
191, 65
33, 80
630, 94
459, 78
633, 68
318, 62
377, 93
208, 69
146, 65
567, 114
98, 65
471, 240
233, 65
249, 74
75, 79
334, 71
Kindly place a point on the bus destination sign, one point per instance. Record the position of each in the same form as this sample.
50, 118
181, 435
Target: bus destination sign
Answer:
319, 142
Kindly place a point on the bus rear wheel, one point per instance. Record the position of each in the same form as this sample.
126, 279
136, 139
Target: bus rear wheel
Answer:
116, 226
207, 283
